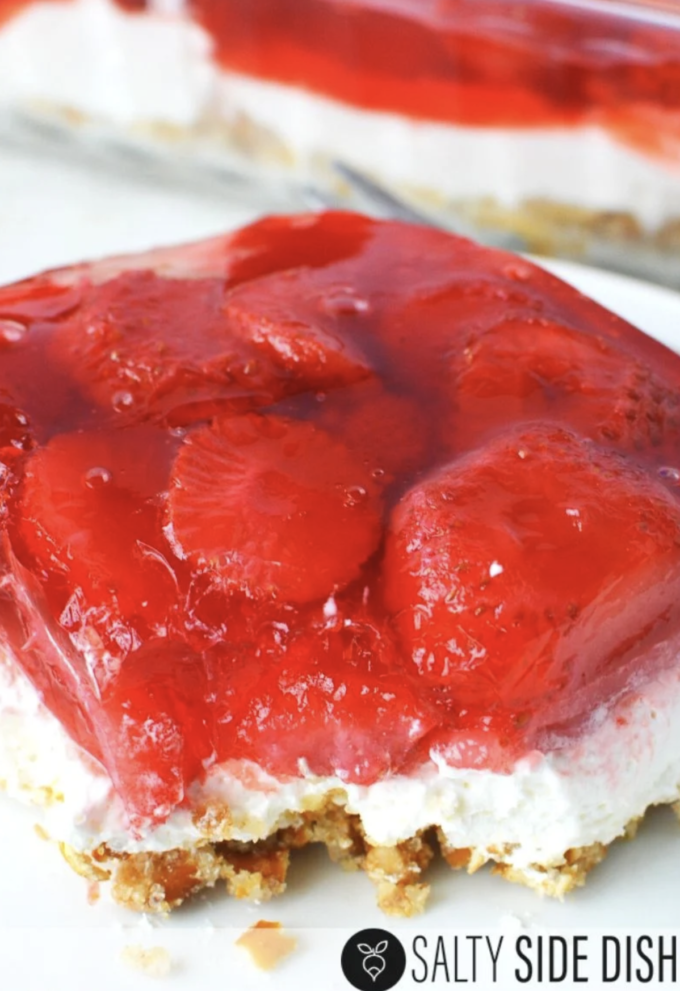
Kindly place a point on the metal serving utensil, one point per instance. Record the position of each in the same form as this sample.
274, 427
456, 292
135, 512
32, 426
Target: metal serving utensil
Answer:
385, 203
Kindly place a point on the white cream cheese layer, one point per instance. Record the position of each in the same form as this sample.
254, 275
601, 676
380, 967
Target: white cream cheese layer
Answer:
94, 59
137, 70
584, 792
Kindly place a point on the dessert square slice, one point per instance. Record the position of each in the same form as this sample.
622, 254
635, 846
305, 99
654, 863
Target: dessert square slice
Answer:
339, 531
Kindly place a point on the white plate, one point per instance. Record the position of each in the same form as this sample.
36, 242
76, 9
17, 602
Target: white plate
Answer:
50, 937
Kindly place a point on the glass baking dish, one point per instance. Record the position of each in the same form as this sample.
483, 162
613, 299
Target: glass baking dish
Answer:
555, 120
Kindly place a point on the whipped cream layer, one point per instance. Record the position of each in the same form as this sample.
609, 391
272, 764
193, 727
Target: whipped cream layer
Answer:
136, 71
584, 791
91, 58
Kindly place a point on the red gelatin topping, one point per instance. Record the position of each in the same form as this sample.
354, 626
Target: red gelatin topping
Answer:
379, 493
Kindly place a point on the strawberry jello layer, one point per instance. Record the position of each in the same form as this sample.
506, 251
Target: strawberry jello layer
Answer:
332, 510
469, 100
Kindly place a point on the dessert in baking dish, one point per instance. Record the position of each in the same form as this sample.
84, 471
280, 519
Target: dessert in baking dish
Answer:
337, 531
554, 118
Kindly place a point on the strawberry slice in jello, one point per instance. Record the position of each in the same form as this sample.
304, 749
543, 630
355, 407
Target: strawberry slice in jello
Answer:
91, 517
147, 347
273, 507
333, 703
536, 368
301, 326
155, 726
526, 580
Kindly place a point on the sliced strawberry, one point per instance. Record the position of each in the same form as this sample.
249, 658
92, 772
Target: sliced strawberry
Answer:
538, 369
329, 703
289, 319
154, 727
149, 724
207, 259
528, 576
41, 299
145, 346
149, 347
91, 513
147, 721
434, 295
273, 507
312, 240
32, 637
32, 389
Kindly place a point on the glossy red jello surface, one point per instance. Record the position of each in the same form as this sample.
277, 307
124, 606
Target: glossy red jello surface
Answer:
334, 493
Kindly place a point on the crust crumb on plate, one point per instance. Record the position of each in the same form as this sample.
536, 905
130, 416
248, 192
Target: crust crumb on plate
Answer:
153, 961
267, 944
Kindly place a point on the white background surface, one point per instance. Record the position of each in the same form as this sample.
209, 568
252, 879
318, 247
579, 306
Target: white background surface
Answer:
50, 937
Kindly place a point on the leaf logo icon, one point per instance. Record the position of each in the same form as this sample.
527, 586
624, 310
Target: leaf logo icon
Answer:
374, 963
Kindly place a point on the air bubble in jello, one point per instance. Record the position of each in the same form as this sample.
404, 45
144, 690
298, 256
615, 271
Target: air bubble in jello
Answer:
355, 495
344, 302
517, 272
96, 477
11, 331
122, 401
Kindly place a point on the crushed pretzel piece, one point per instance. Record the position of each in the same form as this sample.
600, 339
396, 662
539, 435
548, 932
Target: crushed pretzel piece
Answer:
267, 944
